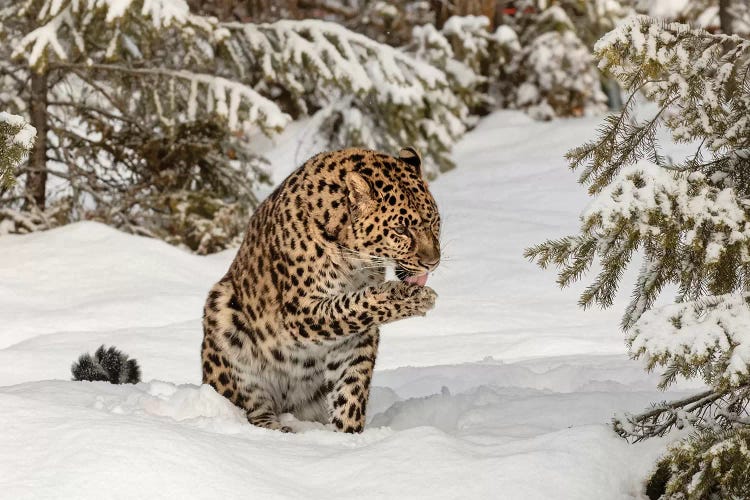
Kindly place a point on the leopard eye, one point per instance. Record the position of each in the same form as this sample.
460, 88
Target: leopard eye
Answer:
401, 230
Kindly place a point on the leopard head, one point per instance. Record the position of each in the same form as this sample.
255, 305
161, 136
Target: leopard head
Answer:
393, 215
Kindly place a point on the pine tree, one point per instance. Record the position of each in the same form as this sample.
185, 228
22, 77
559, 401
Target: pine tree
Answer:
146, 112
358, 91
138, 124
385, 21
534, 60
554, 73
474, 59
690, 220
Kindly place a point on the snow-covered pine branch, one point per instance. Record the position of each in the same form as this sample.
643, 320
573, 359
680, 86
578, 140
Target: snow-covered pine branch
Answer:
681, 220
689, 218
538, 63
670, 64
335, 54
731, 16
139, 126
557, 73
366, 93
708, 464
64, 26
473, 58
126, 28
16, 140
709, 336
709, 409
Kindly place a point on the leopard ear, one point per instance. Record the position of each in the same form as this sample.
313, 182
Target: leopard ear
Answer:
412, 157
361, 195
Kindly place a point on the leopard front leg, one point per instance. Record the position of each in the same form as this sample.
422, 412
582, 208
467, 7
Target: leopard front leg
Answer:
323, 318
351, 374
399, 300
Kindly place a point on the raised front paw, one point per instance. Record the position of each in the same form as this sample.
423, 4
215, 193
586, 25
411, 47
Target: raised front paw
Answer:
410, 300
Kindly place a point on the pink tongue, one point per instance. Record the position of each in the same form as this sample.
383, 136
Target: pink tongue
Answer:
420, 280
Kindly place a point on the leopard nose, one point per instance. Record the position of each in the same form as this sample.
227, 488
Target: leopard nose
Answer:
429, 256
430, 263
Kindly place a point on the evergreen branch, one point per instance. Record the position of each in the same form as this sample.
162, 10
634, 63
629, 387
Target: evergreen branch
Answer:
578, 155
85, 109
663, 417
648, 285
615, 255
638, 143
274, 118
582, 255
559, 252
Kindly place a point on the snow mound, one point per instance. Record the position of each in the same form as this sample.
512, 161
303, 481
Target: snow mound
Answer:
184, 402
160, 439
83, 276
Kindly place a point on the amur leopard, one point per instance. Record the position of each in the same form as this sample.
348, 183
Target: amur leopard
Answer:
292, 327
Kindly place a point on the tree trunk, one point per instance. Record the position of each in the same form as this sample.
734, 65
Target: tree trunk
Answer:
725, 16
36, 178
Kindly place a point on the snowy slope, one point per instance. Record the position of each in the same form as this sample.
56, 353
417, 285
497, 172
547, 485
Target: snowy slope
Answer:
503, 391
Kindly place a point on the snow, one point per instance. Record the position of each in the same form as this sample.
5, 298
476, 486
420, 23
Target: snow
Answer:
647, 191
504, 390
457, 25
347, 67
560, 68
506, 36
161, 13
337, 53
698, 331
43, 37
217, 88
667, 9
10, 119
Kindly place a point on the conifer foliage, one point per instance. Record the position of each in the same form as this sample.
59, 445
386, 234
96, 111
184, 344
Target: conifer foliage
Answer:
474, 59
139, 127
359, 91
147, 112
690, 220
554, 73
16, 139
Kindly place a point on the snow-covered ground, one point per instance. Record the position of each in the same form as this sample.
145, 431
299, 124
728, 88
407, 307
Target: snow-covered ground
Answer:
505, 390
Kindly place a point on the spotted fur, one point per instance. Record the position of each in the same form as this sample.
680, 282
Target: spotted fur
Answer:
293, 325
